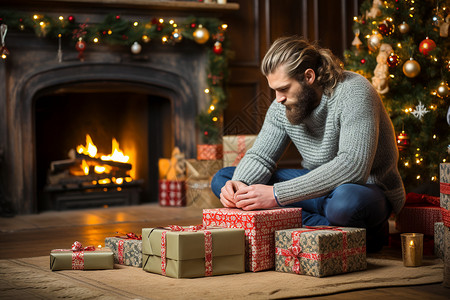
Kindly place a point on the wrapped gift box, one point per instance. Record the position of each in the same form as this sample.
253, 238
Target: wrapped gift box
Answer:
199, 194
234, 148
172, 192
419, 219
209, 152
87, 258
445, 185
320, 251
446, 256
188, 253
260, 227
202, 169
439, 237
126, 251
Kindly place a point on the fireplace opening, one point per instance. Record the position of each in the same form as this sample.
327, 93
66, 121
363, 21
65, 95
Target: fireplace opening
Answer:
137, 117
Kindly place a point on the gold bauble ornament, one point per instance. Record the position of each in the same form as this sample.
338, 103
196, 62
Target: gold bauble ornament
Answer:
443, 90
411, 68
374, 42
403, 28
201, 35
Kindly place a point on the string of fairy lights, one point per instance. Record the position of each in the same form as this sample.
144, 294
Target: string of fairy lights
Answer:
210, 33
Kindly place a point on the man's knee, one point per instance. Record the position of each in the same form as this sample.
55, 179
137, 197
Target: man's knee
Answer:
351, 205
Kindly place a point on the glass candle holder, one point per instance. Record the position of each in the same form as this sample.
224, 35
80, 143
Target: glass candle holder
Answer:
412, 249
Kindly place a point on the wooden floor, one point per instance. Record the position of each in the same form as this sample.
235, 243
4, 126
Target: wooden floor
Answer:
36, 235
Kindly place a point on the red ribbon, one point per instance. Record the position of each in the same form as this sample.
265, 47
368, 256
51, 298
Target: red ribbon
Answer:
130, 236
77, 254
294, 252
194, 228
413, 199
241, 150
444, 188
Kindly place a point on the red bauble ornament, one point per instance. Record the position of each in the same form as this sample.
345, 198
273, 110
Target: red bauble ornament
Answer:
402, 141
393, 60
426, 46
363, 61
71, 19
386, 27
205, 133
117, 17
80, 46
218, 49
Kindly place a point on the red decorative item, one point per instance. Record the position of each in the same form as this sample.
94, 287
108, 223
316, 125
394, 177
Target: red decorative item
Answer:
218, 49
209, 152
393, 60
402, 141
172, 192
259, 226
363, 61
386, 27
71, 19
419, 219
426, 46
117, 17
80, 46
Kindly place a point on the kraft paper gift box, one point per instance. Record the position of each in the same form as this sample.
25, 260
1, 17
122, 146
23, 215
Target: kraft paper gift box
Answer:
209, 152
199, 194
260, 227
79, 258
320, 252
234, 148
127, 251
444, 175
183, 252
202, 169
445, 211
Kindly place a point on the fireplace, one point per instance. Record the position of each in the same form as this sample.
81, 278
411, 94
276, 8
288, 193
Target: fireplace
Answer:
147, 102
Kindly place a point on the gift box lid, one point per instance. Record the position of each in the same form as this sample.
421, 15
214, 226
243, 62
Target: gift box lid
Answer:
186, 245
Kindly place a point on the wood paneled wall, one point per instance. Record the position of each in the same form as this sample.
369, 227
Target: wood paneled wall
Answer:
253, 28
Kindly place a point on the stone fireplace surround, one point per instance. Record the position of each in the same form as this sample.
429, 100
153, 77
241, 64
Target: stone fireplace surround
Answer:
173, 72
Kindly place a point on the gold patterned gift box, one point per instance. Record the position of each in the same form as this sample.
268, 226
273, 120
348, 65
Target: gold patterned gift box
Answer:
81, 258
320, 251
235, 147
196, 251
127, 249
445, 210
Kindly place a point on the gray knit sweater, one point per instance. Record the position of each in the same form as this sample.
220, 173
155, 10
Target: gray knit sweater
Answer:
348, 138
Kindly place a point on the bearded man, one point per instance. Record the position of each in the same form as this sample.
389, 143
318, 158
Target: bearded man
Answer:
336, 120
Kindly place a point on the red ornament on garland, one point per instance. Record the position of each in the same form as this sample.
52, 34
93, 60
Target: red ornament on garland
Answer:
80, 46
426, 46
363, 61
218, 49
71, 19
402, 141
393, 60
117, 17
386, 27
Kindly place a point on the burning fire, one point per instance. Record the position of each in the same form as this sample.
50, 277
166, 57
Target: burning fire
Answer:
116, 155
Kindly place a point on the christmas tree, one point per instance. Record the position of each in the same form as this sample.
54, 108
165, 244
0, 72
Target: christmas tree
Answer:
402, 47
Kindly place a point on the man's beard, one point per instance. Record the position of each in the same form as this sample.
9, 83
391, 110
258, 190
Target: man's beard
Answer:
306, 102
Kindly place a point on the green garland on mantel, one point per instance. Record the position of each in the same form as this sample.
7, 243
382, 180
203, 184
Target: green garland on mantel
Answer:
114, 30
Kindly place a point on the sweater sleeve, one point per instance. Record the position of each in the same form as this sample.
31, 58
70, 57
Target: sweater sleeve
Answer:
259, 162
356, 114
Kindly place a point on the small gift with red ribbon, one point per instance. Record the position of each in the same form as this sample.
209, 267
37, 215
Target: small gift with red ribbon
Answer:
444, 175
127, 249
193, 251
209, 151
320, 250
419, 214
259, 226
81, 258
234, 148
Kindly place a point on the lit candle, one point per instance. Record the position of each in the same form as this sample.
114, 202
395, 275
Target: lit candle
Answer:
412, 249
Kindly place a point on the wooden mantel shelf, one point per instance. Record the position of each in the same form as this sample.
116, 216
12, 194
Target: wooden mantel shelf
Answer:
143, 4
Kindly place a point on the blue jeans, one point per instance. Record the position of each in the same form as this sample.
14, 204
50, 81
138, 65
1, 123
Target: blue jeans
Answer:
349, 205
